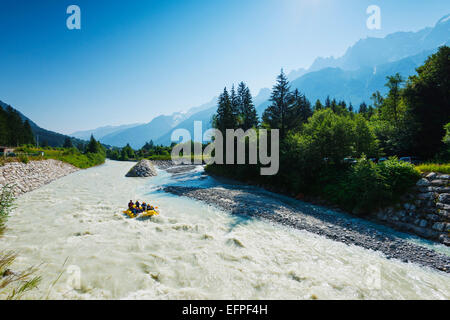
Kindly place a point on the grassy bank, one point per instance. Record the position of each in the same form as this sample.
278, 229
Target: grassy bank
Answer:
69, 155
434, 167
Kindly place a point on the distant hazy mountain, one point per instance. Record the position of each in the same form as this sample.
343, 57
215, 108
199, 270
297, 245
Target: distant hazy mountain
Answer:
263, 95
370, 52
355, 86
101, 132
204, 116
53, 139
294, 74
137, 136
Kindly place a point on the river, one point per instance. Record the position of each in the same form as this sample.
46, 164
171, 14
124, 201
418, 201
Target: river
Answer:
74, 227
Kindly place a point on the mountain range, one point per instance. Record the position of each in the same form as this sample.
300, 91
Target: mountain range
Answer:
353, 77
137, 136
102, 131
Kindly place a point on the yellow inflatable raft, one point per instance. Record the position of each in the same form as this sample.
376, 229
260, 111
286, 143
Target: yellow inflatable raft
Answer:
144, 214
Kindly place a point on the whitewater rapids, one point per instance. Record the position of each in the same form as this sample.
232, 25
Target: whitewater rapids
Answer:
74, 227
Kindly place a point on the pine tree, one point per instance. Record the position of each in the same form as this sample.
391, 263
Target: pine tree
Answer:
318, 106
299, 111
334, 106
15, 127
247, 112
235, 106
275, 115
68, 143
363, 108
148, 146
3, 127
225, 117
28, 136
93, 146
327, 102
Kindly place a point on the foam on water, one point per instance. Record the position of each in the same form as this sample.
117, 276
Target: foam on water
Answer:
191, 251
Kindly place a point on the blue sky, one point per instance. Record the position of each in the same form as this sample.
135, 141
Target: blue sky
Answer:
136, 59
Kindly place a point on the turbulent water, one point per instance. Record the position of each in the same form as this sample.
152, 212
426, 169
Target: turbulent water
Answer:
73, 229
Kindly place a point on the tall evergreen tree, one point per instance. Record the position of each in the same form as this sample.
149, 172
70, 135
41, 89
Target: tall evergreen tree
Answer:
148, 146
15, 127
3, 127
363, 109
350, 108
334, 106
235, 106
28, 136
248, 115
225, 117
276, 114
93, 146
68, 143
327, 102
318, 106
299, 111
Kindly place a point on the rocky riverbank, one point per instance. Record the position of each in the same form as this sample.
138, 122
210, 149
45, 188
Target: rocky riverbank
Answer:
249, 202
28, 177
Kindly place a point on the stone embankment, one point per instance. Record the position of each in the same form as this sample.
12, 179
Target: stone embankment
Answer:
425, 211
28, 177
143, 168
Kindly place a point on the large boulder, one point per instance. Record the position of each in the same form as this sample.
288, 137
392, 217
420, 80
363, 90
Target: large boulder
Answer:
143, 168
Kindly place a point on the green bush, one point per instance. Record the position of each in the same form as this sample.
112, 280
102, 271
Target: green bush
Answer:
23, 158
360, 189
399, 175
367, 186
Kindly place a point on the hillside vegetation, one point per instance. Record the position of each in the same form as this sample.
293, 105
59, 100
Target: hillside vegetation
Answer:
93, 155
